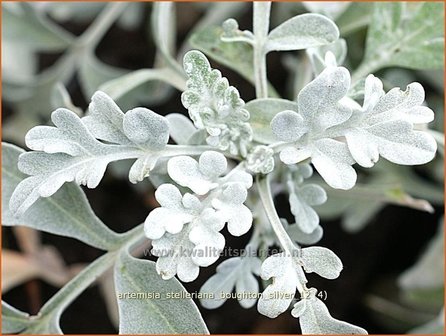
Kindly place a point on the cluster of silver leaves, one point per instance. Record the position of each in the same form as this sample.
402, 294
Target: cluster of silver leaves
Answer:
335, 131
185, 230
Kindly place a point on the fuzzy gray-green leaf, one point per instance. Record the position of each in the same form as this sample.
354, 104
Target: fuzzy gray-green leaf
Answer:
71, 153
301, 32
322, 261
153, 316
406, 35
66, 213
317, 320
262, 111
216, 106
24, 25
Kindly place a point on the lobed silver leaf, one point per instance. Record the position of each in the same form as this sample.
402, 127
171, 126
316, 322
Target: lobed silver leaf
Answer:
316, 319
279, 267
322, 261
236, 272
201, 176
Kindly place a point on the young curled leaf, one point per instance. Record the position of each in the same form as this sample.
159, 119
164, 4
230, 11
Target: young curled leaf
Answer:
232, 33
215, 106
260, 160
142, 167
328, 55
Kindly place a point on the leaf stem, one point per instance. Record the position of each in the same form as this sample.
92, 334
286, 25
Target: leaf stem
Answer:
173, 150
268, 203
290, 249
96, 31
67, 294
260, 29
365, 69
260, 73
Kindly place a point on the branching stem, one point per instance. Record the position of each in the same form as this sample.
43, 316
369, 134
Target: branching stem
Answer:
67, 294
291, 250
96, 31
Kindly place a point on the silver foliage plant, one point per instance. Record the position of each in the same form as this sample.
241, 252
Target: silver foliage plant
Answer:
227, 162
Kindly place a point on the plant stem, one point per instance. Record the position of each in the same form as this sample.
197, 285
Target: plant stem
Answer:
260, 29
363, 70
260, 73
268, 203
67, 294
173, 150
290, 249
96, 31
